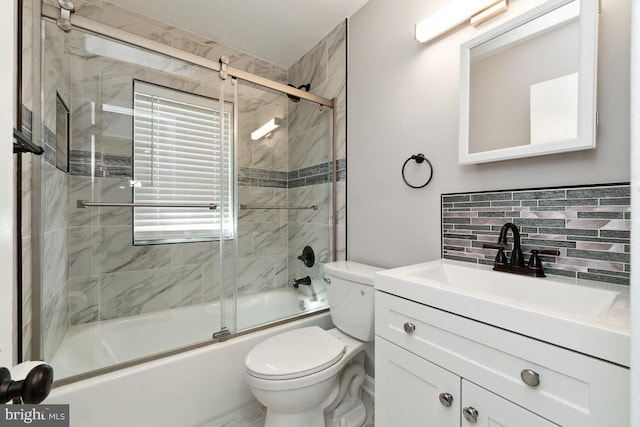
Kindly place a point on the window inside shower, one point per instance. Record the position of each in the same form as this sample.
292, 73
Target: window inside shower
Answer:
121, 282
181, 144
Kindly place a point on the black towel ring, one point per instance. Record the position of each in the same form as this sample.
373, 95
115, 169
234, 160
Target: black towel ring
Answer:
419, 158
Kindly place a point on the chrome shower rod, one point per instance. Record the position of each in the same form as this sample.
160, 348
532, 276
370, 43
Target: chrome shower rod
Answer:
83, 204
87, 24
245, 207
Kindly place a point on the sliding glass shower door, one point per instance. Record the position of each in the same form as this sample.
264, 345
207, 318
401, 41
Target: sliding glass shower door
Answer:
135, 227
284, 197
178, 207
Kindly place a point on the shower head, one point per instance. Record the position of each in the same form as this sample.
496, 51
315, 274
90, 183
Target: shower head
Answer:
301, 87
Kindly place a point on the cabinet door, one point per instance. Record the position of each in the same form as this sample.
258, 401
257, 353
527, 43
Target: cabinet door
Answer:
408, 390
493, 410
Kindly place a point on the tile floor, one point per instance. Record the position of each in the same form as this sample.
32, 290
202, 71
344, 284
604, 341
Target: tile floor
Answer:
366, 398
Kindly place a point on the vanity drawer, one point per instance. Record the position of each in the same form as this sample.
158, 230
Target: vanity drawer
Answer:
573, 390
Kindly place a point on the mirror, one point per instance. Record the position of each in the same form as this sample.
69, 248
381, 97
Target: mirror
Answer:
528, 87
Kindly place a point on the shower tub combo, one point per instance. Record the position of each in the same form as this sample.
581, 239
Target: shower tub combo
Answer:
166, 320
201, 387
92, 346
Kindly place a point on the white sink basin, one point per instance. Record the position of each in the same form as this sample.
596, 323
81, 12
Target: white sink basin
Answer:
588, 317
535, 293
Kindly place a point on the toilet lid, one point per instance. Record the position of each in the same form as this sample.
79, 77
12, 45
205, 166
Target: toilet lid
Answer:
294, 354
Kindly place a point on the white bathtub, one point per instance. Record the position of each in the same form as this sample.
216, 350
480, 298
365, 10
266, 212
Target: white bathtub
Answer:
96, 345
200, 387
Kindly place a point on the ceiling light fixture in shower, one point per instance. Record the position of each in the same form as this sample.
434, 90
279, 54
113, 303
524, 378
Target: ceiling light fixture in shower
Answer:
266, 129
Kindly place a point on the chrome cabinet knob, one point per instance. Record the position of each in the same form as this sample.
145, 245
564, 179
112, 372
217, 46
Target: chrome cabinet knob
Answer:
446, 399
530, 378
409, 327
470, 414
327, 280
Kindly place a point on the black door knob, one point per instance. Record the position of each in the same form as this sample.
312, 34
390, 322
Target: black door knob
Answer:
33, 389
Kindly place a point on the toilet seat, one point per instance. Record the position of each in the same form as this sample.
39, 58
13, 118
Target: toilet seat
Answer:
295, 354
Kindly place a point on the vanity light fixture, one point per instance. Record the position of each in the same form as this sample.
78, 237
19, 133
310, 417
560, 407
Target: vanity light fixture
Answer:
454, 13
489, 13
266, 129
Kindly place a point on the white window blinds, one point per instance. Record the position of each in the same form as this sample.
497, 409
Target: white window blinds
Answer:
182, 154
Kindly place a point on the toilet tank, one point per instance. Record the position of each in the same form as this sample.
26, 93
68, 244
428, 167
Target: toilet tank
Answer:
350, 295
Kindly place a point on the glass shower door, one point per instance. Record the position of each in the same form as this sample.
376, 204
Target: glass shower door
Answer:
284, 200
135, 263
129, 270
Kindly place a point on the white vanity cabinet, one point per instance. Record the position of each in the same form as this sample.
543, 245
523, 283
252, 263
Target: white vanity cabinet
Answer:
435, 368
408, 389
416, 392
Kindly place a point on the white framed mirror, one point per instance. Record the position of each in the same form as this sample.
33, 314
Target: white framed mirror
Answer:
528, 86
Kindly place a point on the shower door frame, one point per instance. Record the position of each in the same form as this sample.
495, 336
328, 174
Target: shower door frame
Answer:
98, 28
85, 24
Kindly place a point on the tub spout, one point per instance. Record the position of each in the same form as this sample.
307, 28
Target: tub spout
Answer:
304, 281
307, 282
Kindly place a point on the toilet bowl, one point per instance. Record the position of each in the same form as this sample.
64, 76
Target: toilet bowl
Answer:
311, 377
304, 379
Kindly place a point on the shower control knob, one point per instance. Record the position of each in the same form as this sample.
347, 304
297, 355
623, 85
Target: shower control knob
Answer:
446, 399
409, 327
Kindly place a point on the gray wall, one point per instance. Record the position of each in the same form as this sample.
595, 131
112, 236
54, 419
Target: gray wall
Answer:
403, 99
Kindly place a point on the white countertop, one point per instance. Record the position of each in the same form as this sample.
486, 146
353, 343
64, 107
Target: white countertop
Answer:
548, 309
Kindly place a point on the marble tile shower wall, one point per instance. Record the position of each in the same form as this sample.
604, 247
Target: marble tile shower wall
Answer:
261, 262
310, 149
55, 226
589, 226
114, 164
298, 173
27, 185
108, 277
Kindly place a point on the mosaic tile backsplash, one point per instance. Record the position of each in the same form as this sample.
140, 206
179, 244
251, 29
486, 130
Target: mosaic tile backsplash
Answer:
589, 225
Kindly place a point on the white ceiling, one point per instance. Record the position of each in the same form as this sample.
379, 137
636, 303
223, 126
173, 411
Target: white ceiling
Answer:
279, 31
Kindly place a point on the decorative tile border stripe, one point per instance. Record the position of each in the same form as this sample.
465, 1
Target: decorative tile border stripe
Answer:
106, 165
252, 177
113, 166
590, 226
318, 174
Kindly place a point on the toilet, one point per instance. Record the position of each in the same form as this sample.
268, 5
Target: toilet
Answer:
312, 377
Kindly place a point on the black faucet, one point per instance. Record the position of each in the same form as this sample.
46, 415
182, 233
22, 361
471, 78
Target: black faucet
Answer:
517, 260
516, 264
